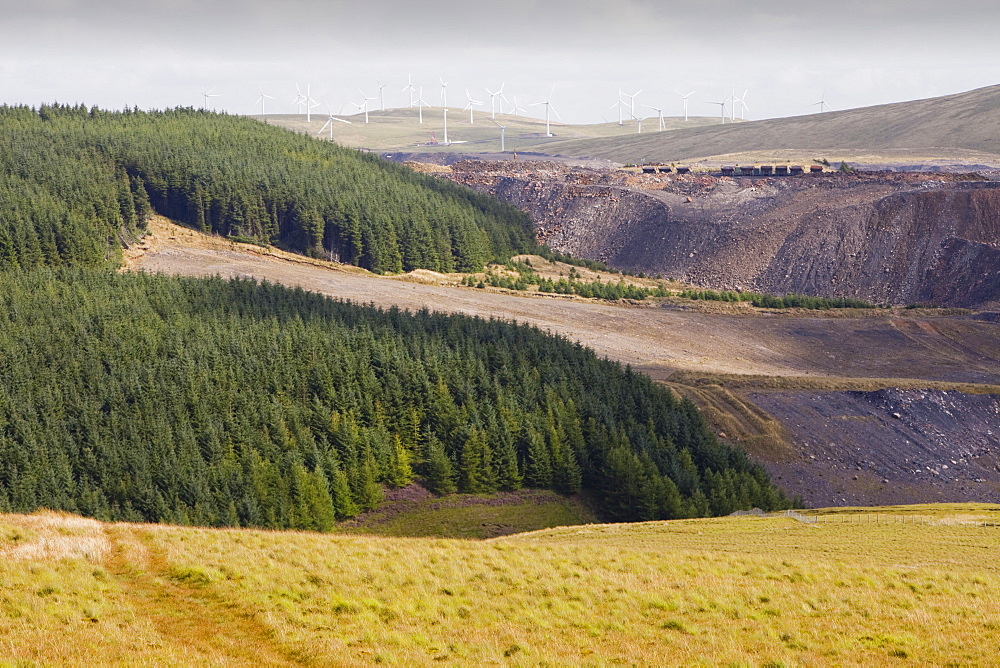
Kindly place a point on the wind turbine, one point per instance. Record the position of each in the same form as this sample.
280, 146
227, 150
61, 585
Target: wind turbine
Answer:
299, 98
306, 101
470, 105
743, 104
409, 87
722, 109
208, 93
631, 103
517, 108
381, 100
364, 104
446, 125
329, 123
660, 112
548, 105
263, 96
685, 98
421, 103
503, 131
822, 102
444, 94
493, 99
620, 105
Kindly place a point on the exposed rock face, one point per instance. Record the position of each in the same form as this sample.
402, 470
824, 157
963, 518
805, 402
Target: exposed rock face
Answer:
885, 238
888, 447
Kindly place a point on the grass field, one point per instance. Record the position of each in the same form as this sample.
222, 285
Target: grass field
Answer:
401, 130
736, 591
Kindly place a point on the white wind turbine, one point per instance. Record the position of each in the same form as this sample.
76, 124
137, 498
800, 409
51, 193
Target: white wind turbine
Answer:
493, 100
548, 106
503, 131
263, 96
299, 98
516, 108
685, 98
381, 100
472, 103
743, 104
660, 114
722, 109
409, 87
631, 103
305, 101
620, 105
822, 103
329, 123
444, 93
421, 103
208, 93
364, 104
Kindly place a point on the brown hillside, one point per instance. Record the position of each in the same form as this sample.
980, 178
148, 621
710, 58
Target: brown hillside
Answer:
966, 121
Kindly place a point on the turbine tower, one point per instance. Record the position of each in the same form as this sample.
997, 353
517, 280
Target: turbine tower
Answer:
307, 101
381, 100
493, 100
743, 104
208, 93
444, 94
470, 105
722, 109
445, 125
548, 106
516, 108
421, 103
364, 104
631, 104
822, 103
299, 98
620, 106
660, 113
329, 123
409, 87
503, 131
685, 98
263, 96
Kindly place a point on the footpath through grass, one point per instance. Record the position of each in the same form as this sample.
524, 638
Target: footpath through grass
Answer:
742, 590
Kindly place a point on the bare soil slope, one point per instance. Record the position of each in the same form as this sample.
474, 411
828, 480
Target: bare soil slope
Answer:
883, 238
658, 339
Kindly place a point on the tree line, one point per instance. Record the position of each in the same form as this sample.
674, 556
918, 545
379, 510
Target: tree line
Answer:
76, 182
236, 403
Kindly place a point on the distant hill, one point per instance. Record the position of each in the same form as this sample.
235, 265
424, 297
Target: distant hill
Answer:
940, 125
401, 130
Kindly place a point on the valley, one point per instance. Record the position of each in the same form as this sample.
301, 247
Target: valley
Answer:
775, 365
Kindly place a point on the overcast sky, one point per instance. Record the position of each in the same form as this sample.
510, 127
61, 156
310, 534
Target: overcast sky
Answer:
117, 53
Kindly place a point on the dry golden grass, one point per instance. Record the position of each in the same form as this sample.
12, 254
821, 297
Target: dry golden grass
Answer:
744, 591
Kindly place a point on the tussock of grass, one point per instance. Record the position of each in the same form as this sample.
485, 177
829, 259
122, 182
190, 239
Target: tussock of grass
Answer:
730, 590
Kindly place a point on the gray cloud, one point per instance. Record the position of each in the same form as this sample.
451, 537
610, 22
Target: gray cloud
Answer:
158, 54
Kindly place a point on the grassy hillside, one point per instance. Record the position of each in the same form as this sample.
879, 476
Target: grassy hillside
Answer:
73, 181
871, 587
962, 122
401, 130
201, 401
